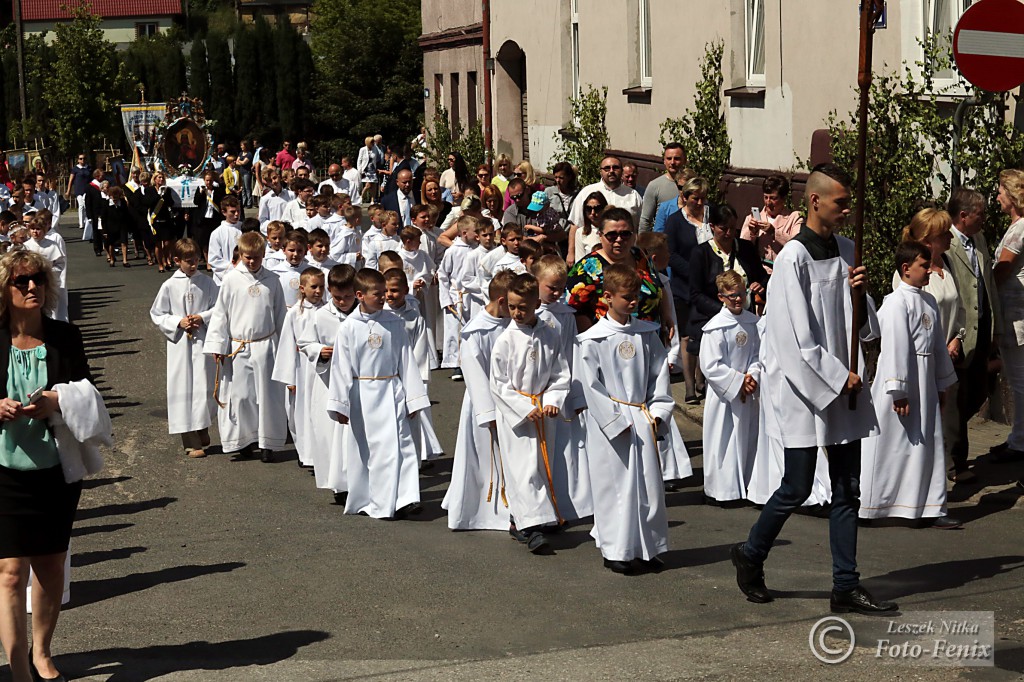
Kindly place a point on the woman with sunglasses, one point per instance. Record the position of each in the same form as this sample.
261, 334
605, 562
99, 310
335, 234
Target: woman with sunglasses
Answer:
725, 251
586, 237
483, 179
524, 171
585, 284
456, 177
37, 504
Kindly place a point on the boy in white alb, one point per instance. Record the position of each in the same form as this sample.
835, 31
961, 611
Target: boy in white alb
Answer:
622, 366
420, 271
224, 238
319, 251
243, 334
376, 388
376, 214
476, 498
41, 243
457, 284
511, 239
182, 311
316, 343
530, 384
346, 244
507, 238
398, 301
903, 468
730, 363
569, 471
386, 240
290, 269
291, 369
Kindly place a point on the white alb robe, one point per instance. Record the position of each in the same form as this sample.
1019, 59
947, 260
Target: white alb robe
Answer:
376, 385
476, 495
624, 373
423, 433
459, 294
245, 325
223, 241
292, 369
346, 244
190, 405
288, 277
903, 470
529, 371
729, 351
378, 245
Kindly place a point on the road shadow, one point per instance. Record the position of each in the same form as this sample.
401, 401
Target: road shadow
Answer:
90, 483
126, 508
941, 576
93, 530
78, 560
85, 592
703, 556
154, 662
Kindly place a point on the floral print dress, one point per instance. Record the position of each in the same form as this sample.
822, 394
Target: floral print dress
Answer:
585, 287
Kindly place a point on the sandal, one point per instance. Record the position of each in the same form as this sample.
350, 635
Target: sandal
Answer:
150, 262
126, 264
161, 269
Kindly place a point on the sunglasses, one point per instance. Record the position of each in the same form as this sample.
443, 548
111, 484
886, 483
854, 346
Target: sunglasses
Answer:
617, 236
515, 197
483, 175
611, 168
518, 174
733, 297
22, 281
592, 209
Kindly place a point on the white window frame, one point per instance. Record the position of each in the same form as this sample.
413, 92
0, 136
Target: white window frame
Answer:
754, 32
142, 29
644, 14
574, 16
919, 19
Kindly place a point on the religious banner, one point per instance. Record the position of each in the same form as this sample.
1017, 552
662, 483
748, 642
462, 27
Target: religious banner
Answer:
140, 122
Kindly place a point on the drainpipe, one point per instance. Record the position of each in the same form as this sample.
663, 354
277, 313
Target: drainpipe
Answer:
958, 128
485, 9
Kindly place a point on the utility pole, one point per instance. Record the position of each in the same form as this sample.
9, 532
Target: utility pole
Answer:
21, 58
488, 65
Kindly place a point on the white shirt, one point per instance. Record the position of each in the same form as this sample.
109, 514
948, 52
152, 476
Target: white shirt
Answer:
404, 206
622, 196
351, 176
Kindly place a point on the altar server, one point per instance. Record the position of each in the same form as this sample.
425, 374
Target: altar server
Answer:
224, 238
457, 287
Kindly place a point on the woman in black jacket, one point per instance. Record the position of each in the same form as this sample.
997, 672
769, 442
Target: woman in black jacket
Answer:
119, 221
724, 252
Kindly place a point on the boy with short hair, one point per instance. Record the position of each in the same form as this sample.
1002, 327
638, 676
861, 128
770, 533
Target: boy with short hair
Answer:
903, 467
242, 336
509, 238
290, 368
290, 269
316, 343
729, 359
529, 251
275, 244
407, 307
386, 240
530, 384
417, 265
321, 212
512, 240
346, 245
182, 311
320, 250
388, 260
224, 238
376, 213
372, 366
457, 284
625, 380
476, 498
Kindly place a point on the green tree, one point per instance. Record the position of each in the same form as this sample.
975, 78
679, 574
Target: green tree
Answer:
199, 71
221, 105
83, 101
442, 140
702, 130
369, 70
158, 63
586, 136
268, 76
289, 111
248, 108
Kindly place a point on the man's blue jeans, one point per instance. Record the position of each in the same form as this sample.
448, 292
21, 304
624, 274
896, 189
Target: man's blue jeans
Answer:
844, 470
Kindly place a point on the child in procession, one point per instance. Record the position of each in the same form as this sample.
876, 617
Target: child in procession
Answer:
319, 255
290, 270
224, 238
386, 240
457, 286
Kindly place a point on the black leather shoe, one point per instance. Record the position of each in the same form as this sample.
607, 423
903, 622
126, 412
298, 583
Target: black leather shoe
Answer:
36, 677
621, 567
750, 576
266, 456
411, 508
518, 535
537, 543
341, 498
652, 565
946, 523
859, 600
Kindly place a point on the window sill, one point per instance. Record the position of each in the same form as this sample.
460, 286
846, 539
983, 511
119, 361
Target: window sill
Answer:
746, 92
638, 94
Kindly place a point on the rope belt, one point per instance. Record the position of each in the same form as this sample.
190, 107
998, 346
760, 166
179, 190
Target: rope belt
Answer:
542, 434
647, 414
389, 376
501, 469
242, 343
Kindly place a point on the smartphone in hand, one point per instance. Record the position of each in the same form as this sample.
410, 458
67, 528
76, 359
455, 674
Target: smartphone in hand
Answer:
755, 214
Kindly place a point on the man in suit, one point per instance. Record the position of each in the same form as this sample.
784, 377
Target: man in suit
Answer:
972, 271
206, 216
401, 198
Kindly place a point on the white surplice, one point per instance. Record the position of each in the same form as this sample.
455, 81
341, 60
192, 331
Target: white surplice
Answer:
423, 433
728, 352
246, 324
459, 295
476, 495
569, 470
190, 404
223, 241
326, 436
377, 245
345, 241
288, 277
903, 471
624, 373
292, 369
376, 385
808, 330
529, 371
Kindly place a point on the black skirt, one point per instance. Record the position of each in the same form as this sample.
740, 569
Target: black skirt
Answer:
37, 510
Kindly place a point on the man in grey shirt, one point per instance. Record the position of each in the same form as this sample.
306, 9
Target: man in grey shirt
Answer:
663, 188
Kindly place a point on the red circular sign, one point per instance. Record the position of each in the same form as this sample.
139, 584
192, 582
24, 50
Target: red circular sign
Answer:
988, 44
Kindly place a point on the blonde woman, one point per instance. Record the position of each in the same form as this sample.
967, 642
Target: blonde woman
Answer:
525, 172
366, 164
1009, 275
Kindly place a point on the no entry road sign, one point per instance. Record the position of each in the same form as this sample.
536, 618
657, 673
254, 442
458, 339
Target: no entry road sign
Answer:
988, 44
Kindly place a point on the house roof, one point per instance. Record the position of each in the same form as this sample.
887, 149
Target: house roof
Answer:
50, 10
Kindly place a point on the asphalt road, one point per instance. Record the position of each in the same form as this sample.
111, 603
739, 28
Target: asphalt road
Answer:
215, 570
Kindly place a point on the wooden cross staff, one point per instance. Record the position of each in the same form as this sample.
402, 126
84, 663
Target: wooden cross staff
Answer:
870, 12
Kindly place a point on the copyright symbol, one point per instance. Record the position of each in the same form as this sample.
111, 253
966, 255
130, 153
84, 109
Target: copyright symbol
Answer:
820, 648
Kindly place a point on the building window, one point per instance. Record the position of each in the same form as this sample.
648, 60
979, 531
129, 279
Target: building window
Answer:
645, 44
471, 95
940, 18
438, 90
146, 29
755, 41
456, 113
575, 18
